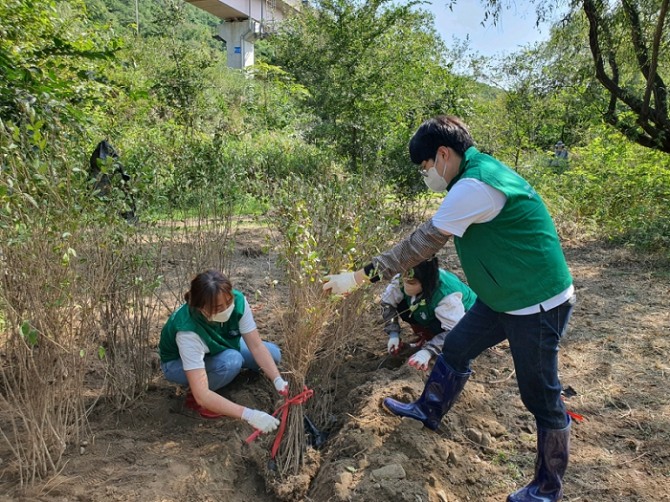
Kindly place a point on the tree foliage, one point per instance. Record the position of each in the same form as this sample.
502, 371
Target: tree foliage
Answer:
629, 45
142, 17
629, 52
545, 93
48, 58
373, 71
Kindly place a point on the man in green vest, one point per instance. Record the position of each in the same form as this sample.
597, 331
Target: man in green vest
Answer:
512, 258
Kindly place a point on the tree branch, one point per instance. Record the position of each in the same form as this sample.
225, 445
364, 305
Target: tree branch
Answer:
648, 69
654, 134
660, 93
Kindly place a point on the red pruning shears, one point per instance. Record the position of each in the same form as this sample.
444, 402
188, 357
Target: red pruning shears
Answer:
575, 416
569, 392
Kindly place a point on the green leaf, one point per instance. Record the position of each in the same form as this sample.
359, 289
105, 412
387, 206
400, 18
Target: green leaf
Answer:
29, 334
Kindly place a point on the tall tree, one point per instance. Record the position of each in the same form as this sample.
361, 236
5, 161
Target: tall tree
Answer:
643, 28
629, 48
373, 69
49, 57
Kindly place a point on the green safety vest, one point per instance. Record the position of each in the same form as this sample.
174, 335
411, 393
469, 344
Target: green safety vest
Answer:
423, 313
515, 260
218, 336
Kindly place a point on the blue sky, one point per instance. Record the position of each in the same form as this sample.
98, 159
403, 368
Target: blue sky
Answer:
516, 27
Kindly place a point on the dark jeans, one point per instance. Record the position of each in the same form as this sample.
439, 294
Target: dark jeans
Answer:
533, 341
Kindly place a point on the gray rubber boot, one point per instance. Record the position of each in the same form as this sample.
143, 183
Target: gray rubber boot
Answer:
444, 385
553, 446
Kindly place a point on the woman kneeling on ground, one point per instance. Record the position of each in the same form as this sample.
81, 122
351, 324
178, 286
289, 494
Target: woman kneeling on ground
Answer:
208, 340
432, 301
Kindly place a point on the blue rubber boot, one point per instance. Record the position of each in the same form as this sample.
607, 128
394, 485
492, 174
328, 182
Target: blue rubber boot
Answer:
444, 385
553, 446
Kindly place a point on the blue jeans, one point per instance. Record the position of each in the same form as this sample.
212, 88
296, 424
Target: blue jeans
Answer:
221, 368
533, 341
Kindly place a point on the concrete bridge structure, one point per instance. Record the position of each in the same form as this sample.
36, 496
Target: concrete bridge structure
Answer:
244, 21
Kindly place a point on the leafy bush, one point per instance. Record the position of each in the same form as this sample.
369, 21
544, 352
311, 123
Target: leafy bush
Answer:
619, 189
325, 225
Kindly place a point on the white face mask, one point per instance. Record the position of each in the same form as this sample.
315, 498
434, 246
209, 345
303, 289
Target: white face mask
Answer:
433, 180
224, 315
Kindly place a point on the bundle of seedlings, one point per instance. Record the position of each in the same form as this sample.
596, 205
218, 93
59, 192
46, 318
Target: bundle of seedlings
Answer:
48, 311
44, 314
126, 314
322, 228
42, 372
192, 239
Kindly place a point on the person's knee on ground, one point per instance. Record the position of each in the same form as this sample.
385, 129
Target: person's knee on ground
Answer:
173, 371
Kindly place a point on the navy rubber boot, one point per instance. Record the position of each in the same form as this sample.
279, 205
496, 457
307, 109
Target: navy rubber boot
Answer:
553, 446
444, 385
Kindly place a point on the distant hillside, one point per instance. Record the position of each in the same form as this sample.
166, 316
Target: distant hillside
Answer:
153, 17
487, 92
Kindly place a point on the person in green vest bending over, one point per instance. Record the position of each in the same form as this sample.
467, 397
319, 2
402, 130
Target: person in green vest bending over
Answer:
208, 340
429, 299
512, 258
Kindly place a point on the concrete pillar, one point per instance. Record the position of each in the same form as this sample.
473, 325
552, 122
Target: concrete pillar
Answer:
239, 37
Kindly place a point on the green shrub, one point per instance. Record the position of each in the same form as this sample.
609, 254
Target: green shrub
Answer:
614, 187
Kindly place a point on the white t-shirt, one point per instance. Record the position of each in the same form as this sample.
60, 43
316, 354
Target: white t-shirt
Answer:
469, 201
192, 349
472, 201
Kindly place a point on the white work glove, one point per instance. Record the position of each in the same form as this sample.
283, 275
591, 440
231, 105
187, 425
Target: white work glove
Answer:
340, 284
420, 360
393, 344
260, 420
281, 385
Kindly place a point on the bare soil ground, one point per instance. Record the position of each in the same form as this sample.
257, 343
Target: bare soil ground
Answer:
615, 358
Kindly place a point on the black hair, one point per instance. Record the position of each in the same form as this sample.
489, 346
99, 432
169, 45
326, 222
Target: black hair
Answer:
444, 130
205, 287
428, 274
